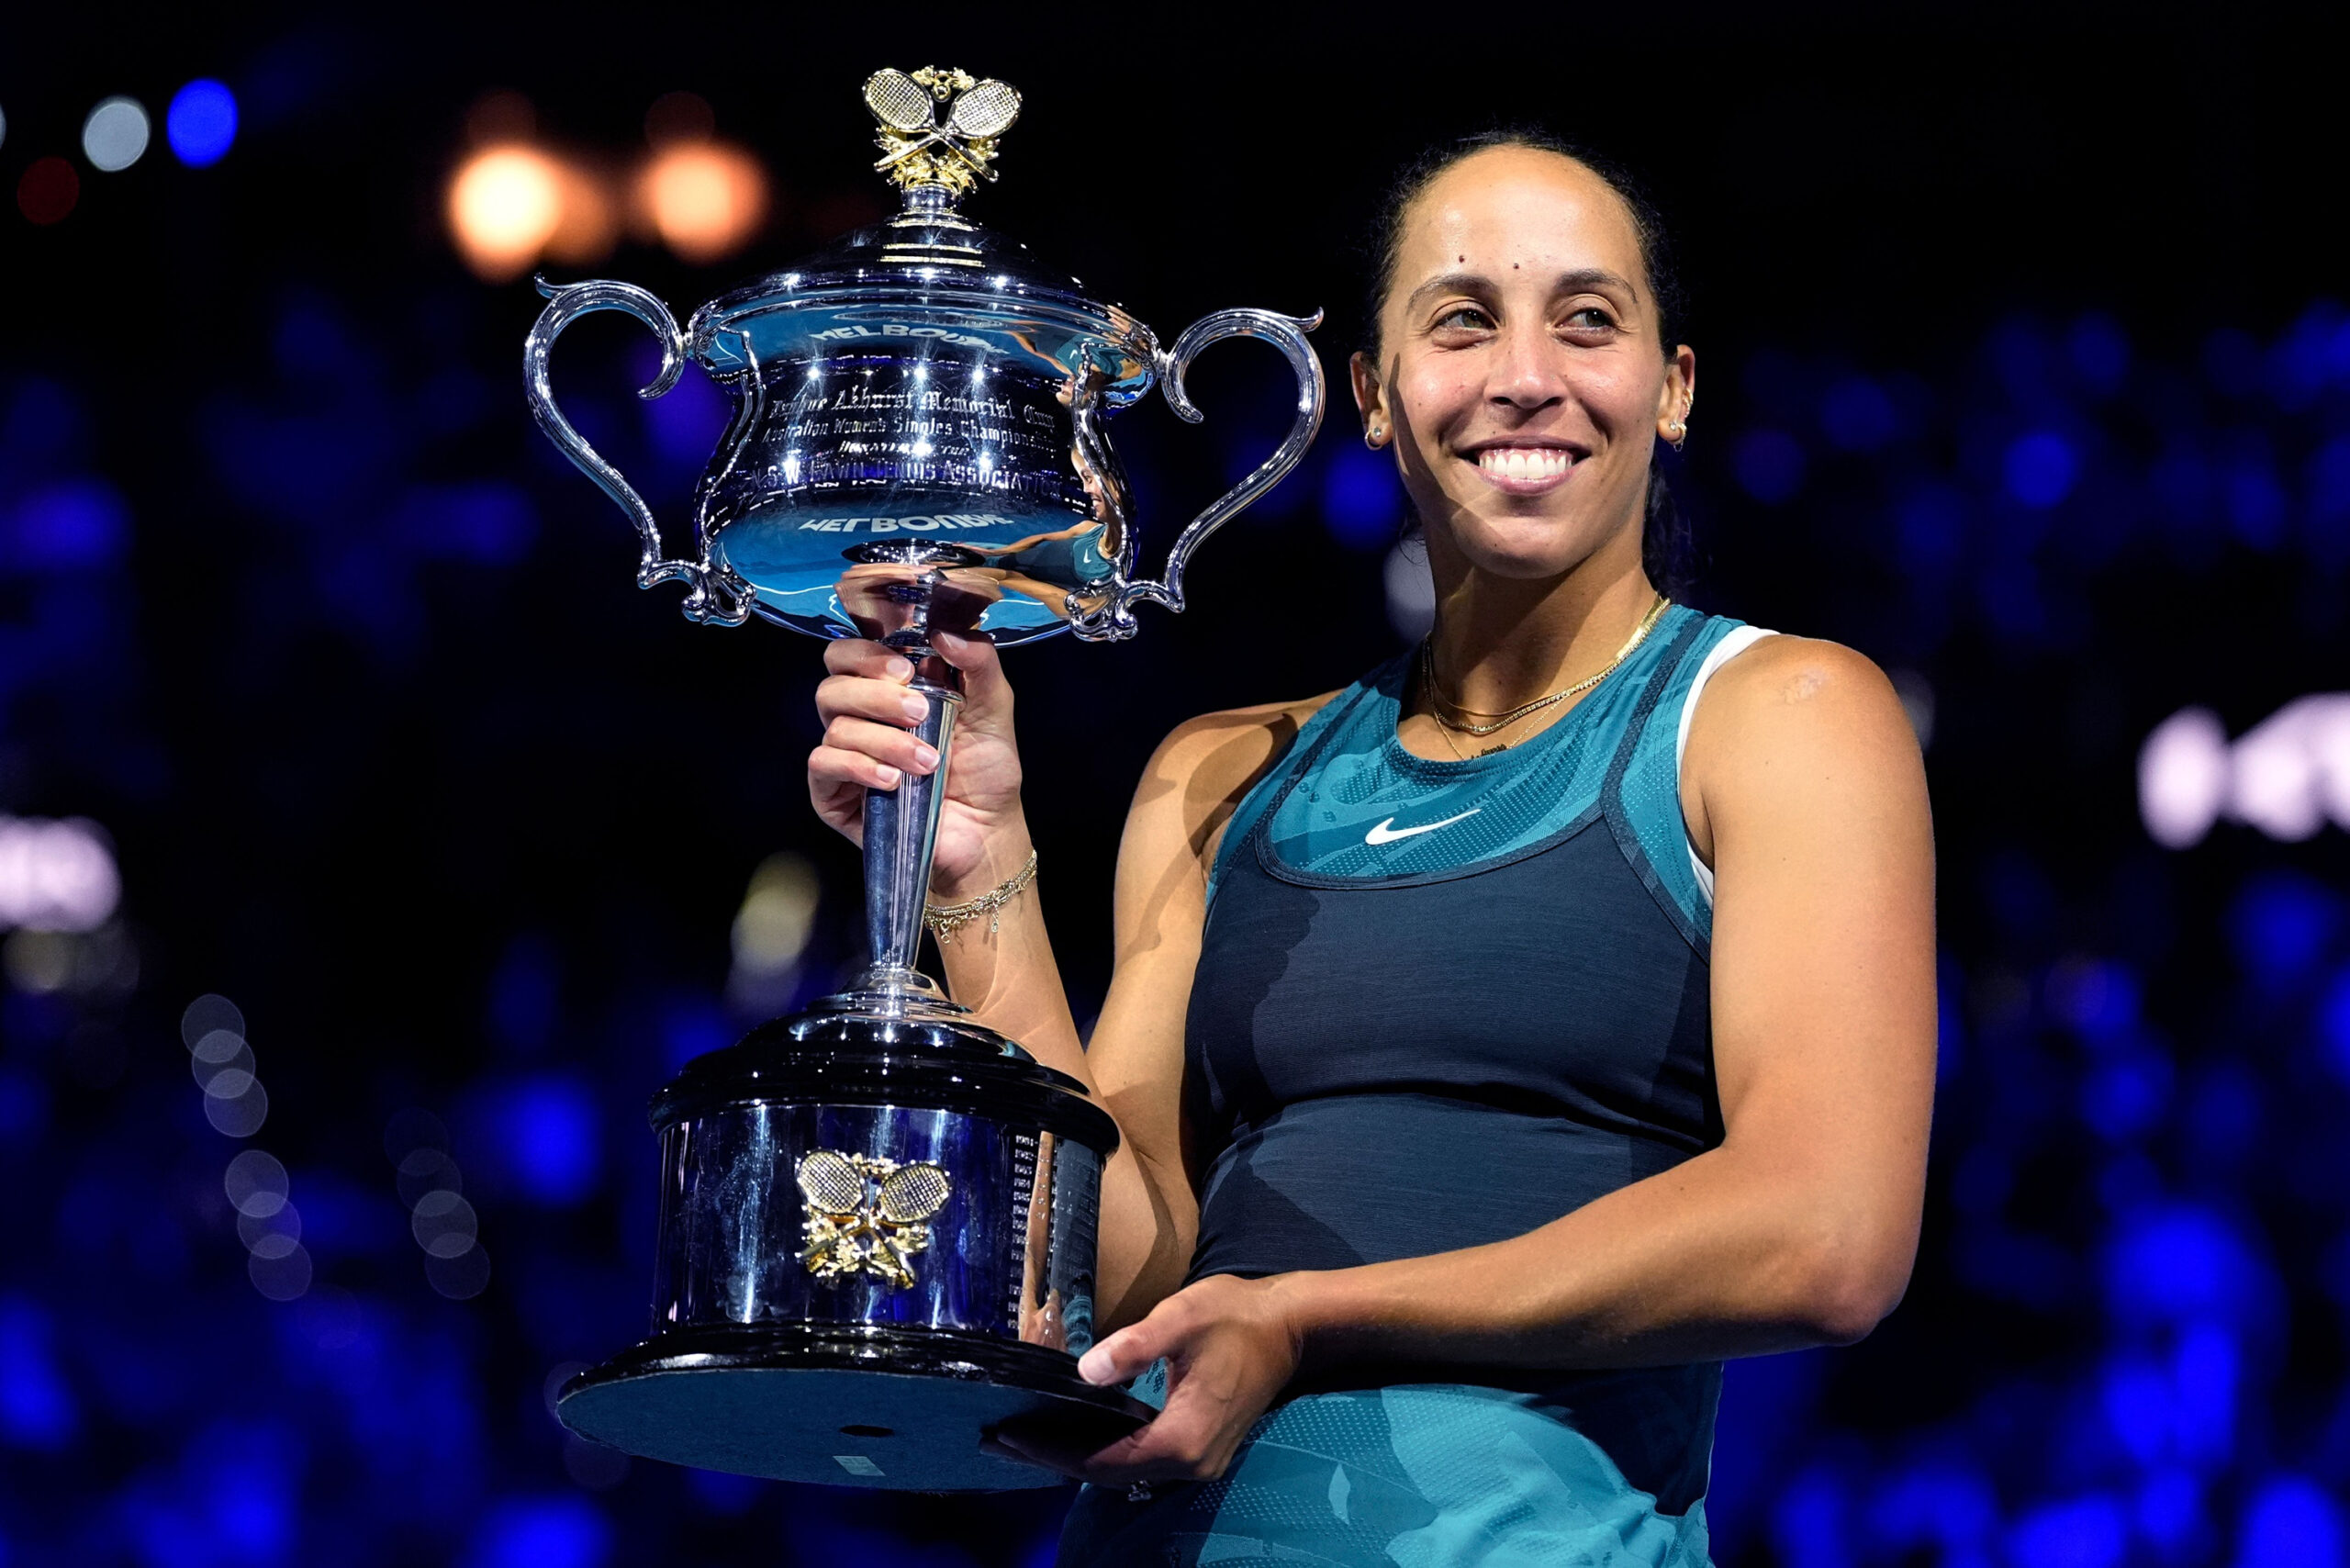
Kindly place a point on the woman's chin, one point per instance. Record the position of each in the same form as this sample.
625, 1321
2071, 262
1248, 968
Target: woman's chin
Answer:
1528, 552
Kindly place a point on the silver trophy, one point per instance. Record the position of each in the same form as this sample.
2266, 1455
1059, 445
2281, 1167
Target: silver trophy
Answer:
877, 1218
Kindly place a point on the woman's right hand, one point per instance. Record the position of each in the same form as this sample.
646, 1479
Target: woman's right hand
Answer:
868, 715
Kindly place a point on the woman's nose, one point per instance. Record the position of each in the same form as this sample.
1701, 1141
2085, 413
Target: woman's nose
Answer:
1528, 374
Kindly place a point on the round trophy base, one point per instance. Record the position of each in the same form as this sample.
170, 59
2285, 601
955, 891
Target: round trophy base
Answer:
894, 1408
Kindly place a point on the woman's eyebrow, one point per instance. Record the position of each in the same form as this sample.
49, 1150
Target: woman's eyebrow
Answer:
1596, 280
1448, 283
1590, 280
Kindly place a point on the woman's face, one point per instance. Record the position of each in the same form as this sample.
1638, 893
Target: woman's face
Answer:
1521, 378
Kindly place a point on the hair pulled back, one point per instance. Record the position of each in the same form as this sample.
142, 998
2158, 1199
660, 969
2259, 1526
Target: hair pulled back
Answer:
1664, 533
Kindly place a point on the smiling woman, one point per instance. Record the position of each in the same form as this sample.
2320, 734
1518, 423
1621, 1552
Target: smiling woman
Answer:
1502, 1041
1664, 543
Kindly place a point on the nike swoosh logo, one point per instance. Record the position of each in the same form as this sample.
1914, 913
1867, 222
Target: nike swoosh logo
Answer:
1388, 833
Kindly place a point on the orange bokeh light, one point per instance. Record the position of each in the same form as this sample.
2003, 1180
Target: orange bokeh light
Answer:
505, 205
590, 220
703, 198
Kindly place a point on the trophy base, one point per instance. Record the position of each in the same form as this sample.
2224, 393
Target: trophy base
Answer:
898, 1409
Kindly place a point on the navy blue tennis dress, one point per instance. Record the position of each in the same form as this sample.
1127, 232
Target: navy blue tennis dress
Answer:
1439, 1004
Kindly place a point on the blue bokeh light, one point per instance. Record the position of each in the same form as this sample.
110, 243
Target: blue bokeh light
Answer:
2041, 468
2099, 999
2207, 1370
486, 521
1951, 1507
2100, 351
2257, 509
1857, 415
2170, 1512
2126, 1097
2329, 499
2280, 925
2140, 1408
2182, 1264
548, 1133
1930, 525
684, 422
1363, 500
2333, 1025
24, 1106
78, 524
2291, 1523
555, 1531
201, 123
1769, 465
1811, 1524
37, 1408
2084, 1532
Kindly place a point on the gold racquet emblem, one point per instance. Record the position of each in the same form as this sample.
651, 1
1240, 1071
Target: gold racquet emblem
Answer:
866, 1215
918, 147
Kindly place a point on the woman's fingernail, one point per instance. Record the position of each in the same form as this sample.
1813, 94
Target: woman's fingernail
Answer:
888, 775
897, 669
915, 707
927, 756
1093, 1367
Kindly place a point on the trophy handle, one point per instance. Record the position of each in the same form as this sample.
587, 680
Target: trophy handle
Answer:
713, 595
1110, 619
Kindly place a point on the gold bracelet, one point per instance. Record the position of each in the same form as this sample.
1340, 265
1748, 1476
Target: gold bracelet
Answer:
945, 920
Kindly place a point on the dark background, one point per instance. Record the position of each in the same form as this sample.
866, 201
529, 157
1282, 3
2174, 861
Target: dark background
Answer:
2023, 370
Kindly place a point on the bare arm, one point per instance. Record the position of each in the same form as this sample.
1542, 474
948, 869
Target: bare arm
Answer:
1193, 783
1803, 783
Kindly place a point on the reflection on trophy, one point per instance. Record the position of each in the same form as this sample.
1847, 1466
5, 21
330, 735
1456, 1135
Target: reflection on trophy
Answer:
877, 1218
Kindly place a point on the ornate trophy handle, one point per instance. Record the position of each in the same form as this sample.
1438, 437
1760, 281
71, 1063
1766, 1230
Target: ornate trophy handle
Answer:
713, 596
1112, 619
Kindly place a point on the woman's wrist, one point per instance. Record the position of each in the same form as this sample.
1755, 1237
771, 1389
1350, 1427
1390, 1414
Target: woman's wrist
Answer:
1004, 852
1311, 1310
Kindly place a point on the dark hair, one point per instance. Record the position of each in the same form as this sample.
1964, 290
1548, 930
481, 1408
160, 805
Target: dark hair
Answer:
1664, 533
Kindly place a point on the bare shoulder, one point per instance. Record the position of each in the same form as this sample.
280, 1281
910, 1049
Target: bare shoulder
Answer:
1201, 771
1796, 723
1802, 689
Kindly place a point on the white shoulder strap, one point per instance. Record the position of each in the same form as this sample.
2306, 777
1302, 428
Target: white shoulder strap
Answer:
1729, 648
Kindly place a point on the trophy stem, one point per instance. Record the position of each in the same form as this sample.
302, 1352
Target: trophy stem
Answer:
901, 838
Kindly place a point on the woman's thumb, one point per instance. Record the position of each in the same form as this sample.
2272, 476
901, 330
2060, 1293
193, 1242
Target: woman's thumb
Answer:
1126, 1354
976, 658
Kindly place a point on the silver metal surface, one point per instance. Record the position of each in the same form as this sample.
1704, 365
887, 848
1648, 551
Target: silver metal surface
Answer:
1111, 617
709, 598
1011, 1247
900, 837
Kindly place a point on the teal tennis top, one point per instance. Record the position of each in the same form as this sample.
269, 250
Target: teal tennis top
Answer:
1443, 1003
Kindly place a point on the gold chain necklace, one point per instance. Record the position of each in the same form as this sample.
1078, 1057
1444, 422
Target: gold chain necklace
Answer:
1438, 701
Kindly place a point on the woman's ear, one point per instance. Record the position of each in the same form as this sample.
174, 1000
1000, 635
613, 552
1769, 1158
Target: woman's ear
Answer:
1677, 396
1370, 401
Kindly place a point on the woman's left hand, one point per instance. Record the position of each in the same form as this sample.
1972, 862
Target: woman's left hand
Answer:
1231, 1346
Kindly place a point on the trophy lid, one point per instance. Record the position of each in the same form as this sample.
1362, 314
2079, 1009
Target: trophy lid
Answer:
938, 130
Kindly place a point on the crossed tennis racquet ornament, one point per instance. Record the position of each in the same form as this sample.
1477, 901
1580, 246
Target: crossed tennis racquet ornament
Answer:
866, 1215
917, 147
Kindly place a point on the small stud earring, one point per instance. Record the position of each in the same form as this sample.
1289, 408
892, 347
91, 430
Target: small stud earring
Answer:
1375, 437
1680, 436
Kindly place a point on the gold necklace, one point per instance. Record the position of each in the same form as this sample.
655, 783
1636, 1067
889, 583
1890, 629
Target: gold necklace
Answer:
1438, 701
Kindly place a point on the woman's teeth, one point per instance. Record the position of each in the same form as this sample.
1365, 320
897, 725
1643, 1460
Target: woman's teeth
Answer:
1525, 462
